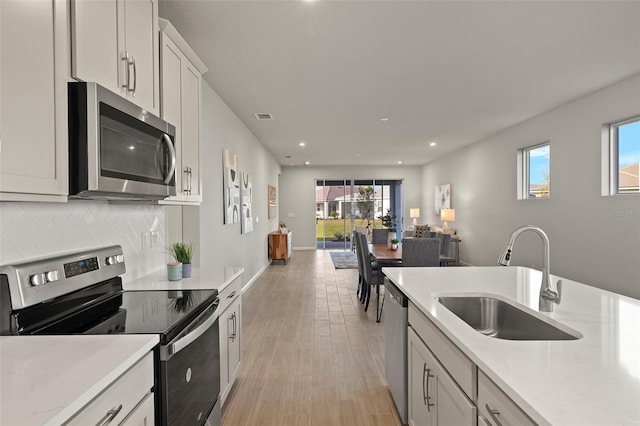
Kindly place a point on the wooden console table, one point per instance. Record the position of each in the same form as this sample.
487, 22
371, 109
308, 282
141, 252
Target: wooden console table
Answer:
280, 246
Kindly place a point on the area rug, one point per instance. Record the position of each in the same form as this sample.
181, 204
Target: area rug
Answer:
344, 259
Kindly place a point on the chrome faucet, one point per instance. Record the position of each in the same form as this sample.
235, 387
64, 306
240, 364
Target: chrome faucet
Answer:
547, 296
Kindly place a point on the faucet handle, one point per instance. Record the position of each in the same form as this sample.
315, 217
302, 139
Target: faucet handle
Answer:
559, 287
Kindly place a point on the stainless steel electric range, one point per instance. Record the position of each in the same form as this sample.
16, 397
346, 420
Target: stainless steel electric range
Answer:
81, 293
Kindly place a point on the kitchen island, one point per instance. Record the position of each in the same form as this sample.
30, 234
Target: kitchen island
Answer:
593, 380
46, 380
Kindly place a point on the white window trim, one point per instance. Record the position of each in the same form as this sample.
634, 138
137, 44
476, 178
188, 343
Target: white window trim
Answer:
522, 178
609, 157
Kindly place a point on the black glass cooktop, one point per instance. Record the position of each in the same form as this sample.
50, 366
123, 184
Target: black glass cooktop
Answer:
101, 310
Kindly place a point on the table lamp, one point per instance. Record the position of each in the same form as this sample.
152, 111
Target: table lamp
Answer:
447, 215
415, 214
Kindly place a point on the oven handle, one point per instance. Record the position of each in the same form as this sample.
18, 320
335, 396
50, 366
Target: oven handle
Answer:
185, 341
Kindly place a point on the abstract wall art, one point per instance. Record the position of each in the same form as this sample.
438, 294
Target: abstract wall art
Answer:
246, 198
231, 190
443, 197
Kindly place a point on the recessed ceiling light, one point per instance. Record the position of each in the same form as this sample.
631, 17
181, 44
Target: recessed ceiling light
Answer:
302, 143
400, 162
358, 155
433, 144
306, 163
383, 119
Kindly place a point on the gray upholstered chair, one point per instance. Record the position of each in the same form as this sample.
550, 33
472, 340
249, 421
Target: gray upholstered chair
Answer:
380, 236
372, 275
421, 252
445, 242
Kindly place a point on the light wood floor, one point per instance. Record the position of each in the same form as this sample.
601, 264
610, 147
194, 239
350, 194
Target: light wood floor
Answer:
311, 355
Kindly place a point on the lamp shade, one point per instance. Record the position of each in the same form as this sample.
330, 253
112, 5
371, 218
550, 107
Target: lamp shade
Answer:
414, 213
448, 215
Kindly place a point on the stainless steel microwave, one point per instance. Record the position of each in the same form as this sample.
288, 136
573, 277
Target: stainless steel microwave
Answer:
117, 150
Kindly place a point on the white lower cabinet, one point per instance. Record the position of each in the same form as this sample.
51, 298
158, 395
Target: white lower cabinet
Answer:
435, 398
446, 387
230, 337
496, 408
128, 400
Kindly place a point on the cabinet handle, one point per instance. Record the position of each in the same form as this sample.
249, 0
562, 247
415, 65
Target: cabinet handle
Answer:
233, 293
230, 323
135, 76
493, 413
428, 398
190, 176
235, 326
108, 418
125, 57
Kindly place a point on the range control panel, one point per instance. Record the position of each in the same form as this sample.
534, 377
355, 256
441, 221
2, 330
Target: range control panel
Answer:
80, 267
35, 281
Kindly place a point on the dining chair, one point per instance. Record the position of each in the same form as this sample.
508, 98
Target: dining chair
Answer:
371, 271
421, 252
356, 244
380, 236
445, 242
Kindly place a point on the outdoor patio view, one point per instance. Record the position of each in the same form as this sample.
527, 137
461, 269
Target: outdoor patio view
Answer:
343, 205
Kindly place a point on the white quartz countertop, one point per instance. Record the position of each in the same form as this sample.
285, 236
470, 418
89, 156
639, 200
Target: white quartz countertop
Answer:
594, 380
204, 278
47, 379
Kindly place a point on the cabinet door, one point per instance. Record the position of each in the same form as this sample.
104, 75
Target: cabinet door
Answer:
435, 398
171, 110
235, 340
94, 41
191, 130
33, 99
421, 409
142, 415
140, 34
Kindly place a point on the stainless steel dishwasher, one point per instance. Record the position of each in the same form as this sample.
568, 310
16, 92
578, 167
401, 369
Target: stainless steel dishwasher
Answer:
395, 346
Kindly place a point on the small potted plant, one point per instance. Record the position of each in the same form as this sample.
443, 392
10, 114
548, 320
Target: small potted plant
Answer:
182, 253
394, 243
389, 222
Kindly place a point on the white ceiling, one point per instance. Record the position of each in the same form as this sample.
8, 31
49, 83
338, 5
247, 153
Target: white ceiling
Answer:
452, 72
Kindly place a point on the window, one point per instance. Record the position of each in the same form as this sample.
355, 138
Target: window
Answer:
534, 172
622, 157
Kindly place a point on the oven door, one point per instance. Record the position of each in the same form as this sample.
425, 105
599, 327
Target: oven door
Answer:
190, 372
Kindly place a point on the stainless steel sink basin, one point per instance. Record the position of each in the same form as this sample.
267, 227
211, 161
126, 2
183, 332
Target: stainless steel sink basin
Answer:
499, 319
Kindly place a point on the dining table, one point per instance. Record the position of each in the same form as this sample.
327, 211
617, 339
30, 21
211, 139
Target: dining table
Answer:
385, 256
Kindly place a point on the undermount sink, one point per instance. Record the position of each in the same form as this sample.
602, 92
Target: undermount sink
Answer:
497, 318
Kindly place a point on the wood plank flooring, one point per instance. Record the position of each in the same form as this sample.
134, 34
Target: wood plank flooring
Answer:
311, 355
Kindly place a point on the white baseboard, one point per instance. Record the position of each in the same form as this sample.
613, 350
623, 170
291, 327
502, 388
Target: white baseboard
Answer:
254, 278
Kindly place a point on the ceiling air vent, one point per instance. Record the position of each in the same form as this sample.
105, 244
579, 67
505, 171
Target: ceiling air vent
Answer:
263, 116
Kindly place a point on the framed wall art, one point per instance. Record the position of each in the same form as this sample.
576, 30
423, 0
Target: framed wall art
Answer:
246, 198
273, 202
231, 183
443, 197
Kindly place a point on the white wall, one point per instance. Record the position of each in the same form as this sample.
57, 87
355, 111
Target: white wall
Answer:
297, 191
220, 244
31, 230
594, 239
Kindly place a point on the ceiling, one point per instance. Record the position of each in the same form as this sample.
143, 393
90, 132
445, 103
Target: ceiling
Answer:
450, 72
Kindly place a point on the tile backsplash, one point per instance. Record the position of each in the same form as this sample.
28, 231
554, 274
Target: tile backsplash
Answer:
31, 230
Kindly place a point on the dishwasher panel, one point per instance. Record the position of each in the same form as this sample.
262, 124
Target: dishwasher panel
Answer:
395, 338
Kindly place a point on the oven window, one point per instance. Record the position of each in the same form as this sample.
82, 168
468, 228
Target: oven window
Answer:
131, 149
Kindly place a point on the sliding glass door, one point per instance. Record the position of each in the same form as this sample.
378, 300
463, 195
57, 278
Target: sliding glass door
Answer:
344, 204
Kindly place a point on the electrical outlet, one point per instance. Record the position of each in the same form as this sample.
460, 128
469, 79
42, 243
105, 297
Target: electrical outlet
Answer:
146, 240
155, 238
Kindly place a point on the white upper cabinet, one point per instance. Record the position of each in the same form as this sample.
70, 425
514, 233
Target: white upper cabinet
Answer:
115, 44
33, 100
180, 74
